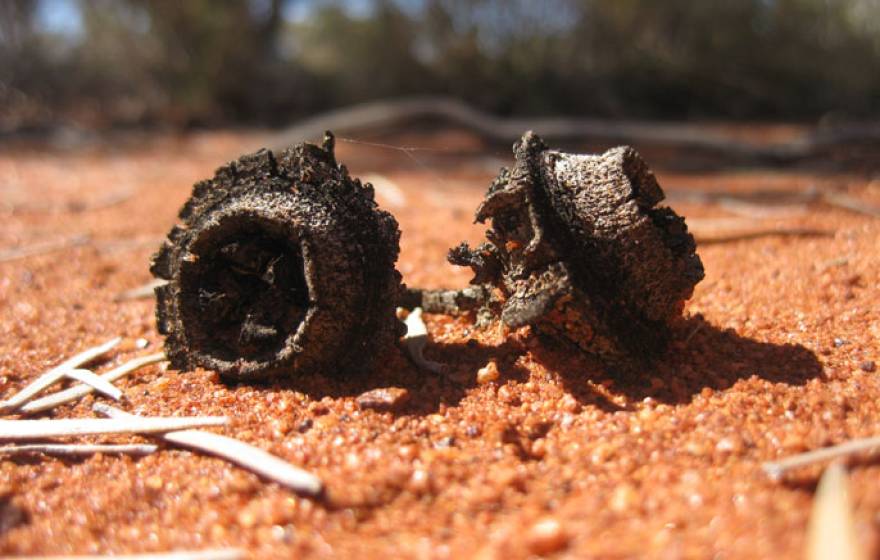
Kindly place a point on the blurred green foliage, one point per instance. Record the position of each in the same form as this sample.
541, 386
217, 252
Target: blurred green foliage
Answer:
136, 62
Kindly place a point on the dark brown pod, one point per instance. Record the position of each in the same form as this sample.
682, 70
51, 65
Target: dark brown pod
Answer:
281, 265
579, 248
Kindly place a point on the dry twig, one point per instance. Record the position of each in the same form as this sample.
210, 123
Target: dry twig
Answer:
74, 393
54, 374
77, 449
21, 430
144, 291
235, 451
94, 381
416, 339
222, 554
831, 533
776, 469
43, 248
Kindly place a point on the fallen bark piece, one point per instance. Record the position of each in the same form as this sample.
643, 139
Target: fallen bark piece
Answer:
245, 455
831, 532
18, 430
579, 248
283, 264
69, 395
383, 399
77, 449
776, 469
47, 379
94, 381
223, 554
416, 339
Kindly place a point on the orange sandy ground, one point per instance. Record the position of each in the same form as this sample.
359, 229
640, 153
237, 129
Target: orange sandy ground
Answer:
555, 457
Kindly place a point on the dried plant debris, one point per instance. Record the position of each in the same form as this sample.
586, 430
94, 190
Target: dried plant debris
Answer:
415, 341
77, 449
282, 264
578, 248
832, 532
55, 374
221, 554
78, 391
238, 452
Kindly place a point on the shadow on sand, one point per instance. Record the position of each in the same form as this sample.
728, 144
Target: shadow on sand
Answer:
699, 356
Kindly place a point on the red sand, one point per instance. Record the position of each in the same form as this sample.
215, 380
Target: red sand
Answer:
555, 457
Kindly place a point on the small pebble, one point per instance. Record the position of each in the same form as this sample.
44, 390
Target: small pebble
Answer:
488, 373
546, 536
386, 398
868, 366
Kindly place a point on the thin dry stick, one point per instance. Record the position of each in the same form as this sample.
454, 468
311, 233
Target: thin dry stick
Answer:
416, 339
77, 449
846, 202
43, 248
235, 451
19, 430
831, 533
144, 291
223, 554
776, 469
95, 382
79, 391
56, 373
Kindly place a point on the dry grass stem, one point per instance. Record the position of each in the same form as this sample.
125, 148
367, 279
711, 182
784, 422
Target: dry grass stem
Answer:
94, 381
77, 449
74, 393
245, 455
831, 532
141, 292
387, 189
776, 469
43, 248
56, 373
846, 202
416, 339
21, 430
223, 554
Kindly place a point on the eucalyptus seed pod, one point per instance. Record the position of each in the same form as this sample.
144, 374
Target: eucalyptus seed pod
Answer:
281, 265
579, 248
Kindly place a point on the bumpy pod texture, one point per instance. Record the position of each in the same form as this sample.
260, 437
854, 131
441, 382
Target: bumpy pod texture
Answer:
579, 248
281, 265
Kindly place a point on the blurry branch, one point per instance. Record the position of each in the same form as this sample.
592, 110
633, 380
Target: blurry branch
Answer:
388, 113
43, 248
774, 203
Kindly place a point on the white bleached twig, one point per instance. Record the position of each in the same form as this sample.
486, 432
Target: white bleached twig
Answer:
77, 449
95, 382
235, 451
831, 532
416, 339
144, 291
56, 373
776, 469
74, 393
223, 554
43, 248
19, 430
386, 189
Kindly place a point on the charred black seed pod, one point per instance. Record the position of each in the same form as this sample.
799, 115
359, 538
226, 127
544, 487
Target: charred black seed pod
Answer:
579, 248
281, 265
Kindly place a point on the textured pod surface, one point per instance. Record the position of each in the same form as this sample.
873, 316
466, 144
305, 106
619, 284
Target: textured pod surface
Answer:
578, 247
281, 264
